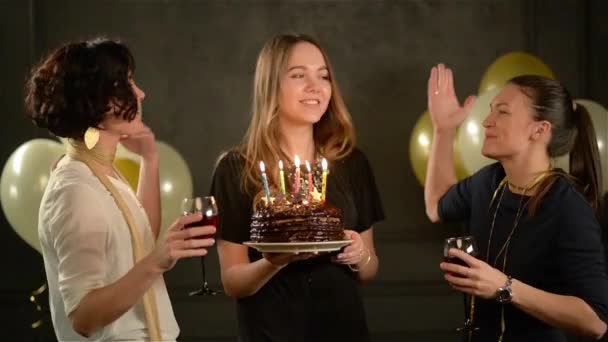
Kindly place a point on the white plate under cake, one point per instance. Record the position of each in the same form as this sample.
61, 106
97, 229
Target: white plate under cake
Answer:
298, 247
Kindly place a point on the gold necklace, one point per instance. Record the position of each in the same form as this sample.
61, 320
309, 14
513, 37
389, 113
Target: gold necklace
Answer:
501, 186
517, 187
505, 247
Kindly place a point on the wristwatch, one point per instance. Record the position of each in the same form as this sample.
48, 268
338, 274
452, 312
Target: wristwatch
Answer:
505, 294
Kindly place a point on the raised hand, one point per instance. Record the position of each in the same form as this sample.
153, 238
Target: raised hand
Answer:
445, 110
142, 143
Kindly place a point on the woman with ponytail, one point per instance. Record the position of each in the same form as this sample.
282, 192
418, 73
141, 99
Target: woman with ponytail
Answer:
540, 270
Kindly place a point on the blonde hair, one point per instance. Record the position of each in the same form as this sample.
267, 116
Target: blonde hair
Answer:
334, 135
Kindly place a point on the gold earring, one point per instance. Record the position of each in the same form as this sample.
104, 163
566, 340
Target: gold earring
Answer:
91, 137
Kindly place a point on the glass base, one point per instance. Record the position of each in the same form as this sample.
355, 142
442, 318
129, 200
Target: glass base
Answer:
468, 327
205, 290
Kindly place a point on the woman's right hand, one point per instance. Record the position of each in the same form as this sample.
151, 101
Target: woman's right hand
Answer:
282, 259
445, 110
180, 242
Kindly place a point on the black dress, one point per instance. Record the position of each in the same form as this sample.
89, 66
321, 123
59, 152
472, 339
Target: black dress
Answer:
558, 250
311, 300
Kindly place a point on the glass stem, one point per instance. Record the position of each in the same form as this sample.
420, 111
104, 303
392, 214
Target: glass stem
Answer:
203, 270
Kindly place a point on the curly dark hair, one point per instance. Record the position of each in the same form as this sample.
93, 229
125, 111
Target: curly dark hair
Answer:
76, 85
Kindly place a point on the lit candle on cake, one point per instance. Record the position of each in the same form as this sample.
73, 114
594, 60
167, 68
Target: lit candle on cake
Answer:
296, 187
324, 186
265, 180
310, 184
282, 176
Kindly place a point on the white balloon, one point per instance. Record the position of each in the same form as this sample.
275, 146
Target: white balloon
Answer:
175, 183
562, 162
22, 184
599, 117
471, 133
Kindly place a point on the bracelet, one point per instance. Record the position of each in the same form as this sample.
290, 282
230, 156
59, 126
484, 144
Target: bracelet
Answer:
355, 268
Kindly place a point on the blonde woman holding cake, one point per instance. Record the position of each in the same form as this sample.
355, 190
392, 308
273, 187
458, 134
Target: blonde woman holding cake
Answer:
297, 110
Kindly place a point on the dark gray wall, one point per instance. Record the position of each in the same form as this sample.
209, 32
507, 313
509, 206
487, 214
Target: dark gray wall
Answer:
195, 61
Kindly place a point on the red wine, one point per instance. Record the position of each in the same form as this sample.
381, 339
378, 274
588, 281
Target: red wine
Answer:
210, 220
458, 261
206, 221
455, 260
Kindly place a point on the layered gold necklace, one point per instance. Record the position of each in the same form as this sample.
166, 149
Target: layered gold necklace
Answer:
505, 246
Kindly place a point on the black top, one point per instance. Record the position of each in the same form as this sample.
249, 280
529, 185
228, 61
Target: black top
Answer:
311, 300
558, 250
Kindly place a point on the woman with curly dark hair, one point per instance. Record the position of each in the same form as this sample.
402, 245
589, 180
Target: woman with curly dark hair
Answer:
100, 241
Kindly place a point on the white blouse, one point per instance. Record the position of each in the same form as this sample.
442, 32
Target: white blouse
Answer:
86, 244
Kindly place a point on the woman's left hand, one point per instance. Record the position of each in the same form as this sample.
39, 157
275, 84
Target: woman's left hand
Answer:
479, 279
142, 143
354, 253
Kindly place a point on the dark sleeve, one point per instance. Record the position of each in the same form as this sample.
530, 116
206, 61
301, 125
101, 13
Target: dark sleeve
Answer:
367, 199
234, 208
457, 203
581, 254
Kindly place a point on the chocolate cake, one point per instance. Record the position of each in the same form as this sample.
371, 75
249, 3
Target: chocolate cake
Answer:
284, 221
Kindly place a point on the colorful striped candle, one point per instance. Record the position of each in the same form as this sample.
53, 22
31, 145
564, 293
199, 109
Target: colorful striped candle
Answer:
265, 180
282, 176
324, 186
296, 187
310, 183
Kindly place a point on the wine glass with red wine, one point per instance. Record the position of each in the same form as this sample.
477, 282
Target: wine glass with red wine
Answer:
207, 207
466, 244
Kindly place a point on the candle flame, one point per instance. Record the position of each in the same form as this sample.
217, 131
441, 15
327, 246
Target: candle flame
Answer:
262, 166
324, 164
308, 166
281, 164
296, 160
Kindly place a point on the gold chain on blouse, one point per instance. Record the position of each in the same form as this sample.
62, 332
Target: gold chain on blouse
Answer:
505, 247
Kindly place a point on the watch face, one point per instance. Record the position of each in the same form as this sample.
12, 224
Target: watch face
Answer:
504, 295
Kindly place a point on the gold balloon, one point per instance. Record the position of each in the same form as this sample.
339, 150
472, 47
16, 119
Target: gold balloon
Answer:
123, 153
175, 179
510, 65
22, 184
420, 149
129, 170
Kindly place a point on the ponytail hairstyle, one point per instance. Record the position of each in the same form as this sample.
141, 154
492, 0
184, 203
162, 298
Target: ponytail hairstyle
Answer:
571, 132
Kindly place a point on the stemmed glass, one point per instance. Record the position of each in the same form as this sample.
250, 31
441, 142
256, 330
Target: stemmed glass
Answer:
466, 244
206, 206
